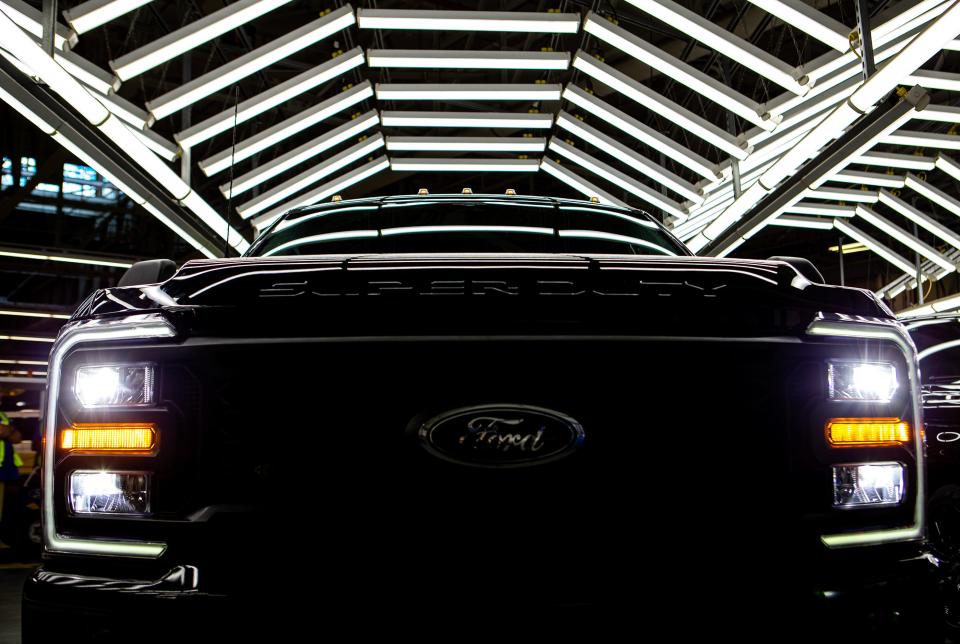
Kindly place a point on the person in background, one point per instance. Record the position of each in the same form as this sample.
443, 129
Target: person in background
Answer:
9, 459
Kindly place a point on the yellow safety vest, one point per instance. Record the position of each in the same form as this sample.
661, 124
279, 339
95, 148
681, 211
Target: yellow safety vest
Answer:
17, 461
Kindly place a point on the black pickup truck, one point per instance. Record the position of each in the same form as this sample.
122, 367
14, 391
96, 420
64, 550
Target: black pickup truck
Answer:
481, 405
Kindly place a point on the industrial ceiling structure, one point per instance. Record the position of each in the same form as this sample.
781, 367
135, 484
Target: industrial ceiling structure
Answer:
189, 125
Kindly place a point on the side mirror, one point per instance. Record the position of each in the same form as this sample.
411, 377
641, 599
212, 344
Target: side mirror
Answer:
149, 271
804, 266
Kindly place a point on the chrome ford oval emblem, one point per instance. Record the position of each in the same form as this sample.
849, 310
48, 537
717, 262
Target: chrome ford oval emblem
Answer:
501, 435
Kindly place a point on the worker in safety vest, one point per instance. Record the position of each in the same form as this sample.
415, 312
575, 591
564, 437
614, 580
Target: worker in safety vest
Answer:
10, 461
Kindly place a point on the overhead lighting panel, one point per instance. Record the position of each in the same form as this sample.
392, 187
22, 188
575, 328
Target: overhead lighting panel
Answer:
894, 160
656, 58
17, 253
724, 42
641, 132
618, 178
579, 184
445, 59
923, 139
935, 195
466, 143
942, 113
948, 165
894, 258
93, 13
497, 21
192, 35
413, 164
505, 120
278, 95
933, 79
693, 123
250, 63
629, 157
812, 223
467, 92
310, 176
821, 209
285, 129
870, 178
298, 155
841, 194
322, 192
905, 238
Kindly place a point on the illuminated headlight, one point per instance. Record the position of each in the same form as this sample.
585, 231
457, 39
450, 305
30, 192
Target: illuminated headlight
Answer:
99, 492
863, 381
115, 386
867, 484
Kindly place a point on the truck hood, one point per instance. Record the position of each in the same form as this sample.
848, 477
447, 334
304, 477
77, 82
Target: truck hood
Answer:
565, 285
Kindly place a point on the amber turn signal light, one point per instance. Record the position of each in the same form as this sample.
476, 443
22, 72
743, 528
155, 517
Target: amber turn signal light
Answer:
109, 437
867, 432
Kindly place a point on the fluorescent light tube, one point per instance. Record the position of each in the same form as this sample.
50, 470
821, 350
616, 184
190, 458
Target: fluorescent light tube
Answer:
26, 338
298, 155
86, 72
932, 79
414, 164
278, 95
656, 58
823, 209
841, 194
467, 92
467, 119
941, 113
923, 139
31, 21
948, 165
693, 123
870, 178
466, 143
802, 222
935, 195
893, 160
921, 219
93, 13
579, 184
724, 42
250, 63
69, 259
905, 238
630, 158
129, 113
190, 36
506, 21
858, 235
628, 125
285, 129
330, 188
166, 150
446, 59
309, 177
802, 16
618, 178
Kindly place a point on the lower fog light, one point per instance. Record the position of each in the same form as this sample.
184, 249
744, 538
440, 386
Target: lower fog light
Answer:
99, 492
867, 485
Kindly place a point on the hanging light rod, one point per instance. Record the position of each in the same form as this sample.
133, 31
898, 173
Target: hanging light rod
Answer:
250, 63
298, 155
310, 176
686, 75
467, 92
444, 59
507, 21
285, 129
491, 120
466, 143
584, 187
322, 192
414, 164
190, 36
276, 96
727, 43
93, 13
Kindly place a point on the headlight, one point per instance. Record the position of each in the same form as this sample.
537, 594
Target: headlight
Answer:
862, 381
867, 484
115, 386
99, 492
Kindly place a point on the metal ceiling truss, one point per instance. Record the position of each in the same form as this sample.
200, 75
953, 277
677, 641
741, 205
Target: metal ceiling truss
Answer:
672, 173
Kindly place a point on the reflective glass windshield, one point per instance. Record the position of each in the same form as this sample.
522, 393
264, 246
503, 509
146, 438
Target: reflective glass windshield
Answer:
471, 225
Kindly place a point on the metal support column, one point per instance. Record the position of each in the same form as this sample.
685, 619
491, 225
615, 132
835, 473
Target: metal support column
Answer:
840, 252
916, 261
866, 41
49, 26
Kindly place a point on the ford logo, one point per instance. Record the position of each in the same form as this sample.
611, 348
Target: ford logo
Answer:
500, 435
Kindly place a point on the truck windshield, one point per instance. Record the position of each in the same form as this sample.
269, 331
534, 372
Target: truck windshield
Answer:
474, 225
